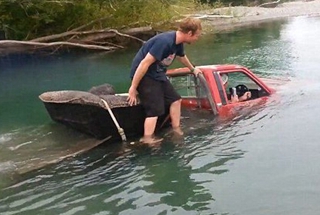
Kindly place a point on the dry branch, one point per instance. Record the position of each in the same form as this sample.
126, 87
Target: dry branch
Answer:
208, 16
109, 33
270, 4
95, 39
90, 23
103, 44
53, 44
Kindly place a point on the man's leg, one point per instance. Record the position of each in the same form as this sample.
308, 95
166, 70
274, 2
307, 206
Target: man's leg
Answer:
174, 99
175, 115
150, 126
151, 95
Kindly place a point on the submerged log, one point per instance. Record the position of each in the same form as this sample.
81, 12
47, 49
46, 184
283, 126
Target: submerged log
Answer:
71, 152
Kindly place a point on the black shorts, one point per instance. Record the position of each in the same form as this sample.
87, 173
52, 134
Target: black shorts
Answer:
156, 96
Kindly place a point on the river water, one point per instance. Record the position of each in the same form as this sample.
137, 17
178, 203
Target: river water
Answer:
264, 161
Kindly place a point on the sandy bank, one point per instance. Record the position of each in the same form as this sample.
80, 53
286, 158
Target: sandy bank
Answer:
242, 16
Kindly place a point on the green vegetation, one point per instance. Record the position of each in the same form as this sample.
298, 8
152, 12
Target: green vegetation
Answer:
28, 19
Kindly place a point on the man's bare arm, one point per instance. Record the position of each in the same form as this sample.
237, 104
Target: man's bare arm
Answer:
142, 69
140, 72
185, 61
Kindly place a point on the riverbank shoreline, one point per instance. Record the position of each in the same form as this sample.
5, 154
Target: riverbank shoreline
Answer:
240, 16
214, 21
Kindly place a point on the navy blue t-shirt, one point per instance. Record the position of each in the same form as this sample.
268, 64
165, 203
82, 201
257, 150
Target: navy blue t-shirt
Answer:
164, 49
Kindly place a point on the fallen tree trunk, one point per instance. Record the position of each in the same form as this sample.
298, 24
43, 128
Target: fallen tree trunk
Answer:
109, 33
270, 4
95, 40
41, 45
212, 16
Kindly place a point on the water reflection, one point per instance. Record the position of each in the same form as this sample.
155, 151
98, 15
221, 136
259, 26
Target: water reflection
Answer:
128, 179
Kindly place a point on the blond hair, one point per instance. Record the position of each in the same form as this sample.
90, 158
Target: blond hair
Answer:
190, 24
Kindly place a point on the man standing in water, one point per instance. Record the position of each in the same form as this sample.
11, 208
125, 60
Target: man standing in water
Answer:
148, 74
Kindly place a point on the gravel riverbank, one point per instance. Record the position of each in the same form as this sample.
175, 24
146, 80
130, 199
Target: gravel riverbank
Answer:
241, 16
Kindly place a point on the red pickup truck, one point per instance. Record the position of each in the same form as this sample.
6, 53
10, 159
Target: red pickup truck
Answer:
211, 91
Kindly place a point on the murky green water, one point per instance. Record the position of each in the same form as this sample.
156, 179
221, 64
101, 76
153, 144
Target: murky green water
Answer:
262, 162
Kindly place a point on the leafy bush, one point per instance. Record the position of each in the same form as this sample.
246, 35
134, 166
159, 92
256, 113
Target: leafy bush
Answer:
28, 19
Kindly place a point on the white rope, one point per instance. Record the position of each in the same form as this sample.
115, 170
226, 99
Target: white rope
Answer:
120, 130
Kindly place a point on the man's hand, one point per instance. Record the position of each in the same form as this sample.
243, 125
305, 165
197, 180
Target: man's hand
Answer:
246, 96
234, 98
132, 98
197, 71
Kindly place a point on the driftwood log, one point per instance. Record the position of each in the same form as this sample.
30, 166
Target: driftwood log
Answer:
212, 16
104, 40
270, 4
